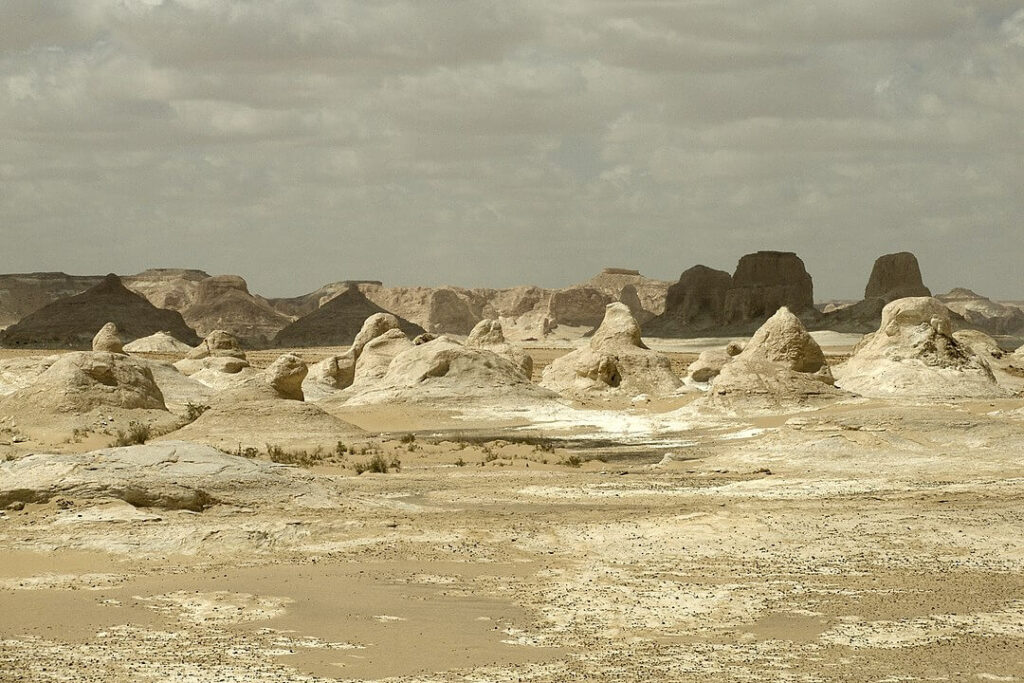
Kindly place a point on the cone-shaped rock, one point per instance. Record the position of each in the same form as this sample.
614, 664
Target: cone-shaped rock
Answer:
337, 322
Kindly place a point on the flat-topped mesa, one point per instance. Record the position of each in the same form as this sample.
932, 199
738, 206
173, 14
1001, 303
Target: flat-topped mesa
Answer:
620, 271
696, 302
914, 354
895, 276
764, 282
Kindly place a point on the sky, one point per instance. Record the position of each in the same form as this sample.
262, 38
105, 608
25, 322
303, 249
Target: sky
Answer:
505, 142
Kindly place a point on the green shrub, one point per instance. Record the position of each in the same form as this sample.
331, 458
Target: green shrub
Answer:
138, 433
377, 464
194, 410
572, 461
408, 438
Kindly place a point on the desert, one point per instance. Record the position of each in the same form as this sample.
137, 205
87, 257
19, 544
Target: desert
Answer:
373, 501
511, 341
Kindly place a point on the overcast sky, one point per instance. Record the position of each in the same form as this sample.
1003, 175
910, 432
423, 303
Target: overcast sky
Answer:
296, 142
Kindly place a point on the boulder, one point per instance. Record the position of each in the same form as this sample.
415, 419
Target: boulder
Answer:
285, 376
108, 339
171, 475
373, 327
376, 356
615, 360
895, 276
914, 354
707, 366
764, 282
74, 321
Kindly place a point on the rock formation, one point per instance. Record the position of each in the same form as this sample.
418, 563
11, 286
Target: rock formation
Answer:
217, 344
895, 276
219, 353
488, 334
159, 342
616, 359
578, 306
74, 321
171, 288
708, 365
914, 354
694, 304
336, 323
443, 371
781, 367
984, 314
224, 302
23, 293
171, 474
108, 339
763, 283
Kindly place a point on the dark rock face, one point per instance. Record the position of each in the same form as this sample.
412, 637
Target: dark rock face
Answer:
694, 303
72, 322
895, 276
337, 322
763, 283
578, 306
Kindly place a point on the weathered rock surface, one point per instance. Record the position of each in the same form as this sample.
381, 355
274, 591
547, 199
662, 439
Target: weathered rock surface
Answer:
108, 340
337, 322
172, 475
74, 321
914, 354
764, 282
983, 314
444, 371
171, 288
159, 342
708, 365
23, 293
217, 344
694, 304
223, 302
615, 360
488, 334
376, 356
781, 367
895, 276
219, 353
579, 306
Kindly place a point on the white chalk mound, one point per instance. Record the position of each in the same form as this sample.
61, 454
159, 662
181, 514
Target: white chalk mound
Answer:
489, 334
914, 354
108, 340
780, 367
159, 342
615, 360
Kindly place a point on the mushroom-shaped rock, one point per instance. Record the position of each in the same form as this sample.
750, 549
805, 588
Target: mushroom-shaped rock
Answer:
781, 367
489, 334
913, 354
218, 343
285, 376
615, 359
376, 356
108, 340
373, 327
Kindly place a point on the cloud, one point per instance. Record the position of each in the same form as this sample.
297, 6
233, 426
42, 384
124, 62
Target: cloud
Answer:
301, 141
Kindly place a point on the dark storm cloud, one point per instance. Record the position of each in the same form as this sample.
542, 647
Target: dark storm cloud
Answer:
301, 141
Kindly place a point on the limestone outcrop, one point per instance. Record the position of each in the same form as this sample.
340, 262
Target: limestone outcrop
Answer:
108, 340
615, 360
781, 367
914, 354
693, 304
895, 276
158, 342
488, 334
763, 283
224, 302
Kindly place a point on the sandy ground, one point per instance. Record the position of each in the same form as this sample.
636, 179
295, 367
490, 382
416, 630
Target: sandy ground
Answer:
868, 541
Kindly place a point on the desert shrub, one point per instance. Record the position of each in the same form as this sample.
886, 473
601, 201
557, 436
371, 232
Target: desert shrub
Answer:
545, 447
460, 462
377, 464
408, 438
137, 433
194, 410
247, 452
572, 461
341, 449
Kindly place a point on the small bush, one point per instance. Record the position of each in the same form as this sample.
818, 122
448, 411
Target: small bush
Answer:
300, 457
340, 449
460, 462
247, 452
395, 463
377, 464
194, 410
412, 448
138, 433
572, 461
408, 438
545, 447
